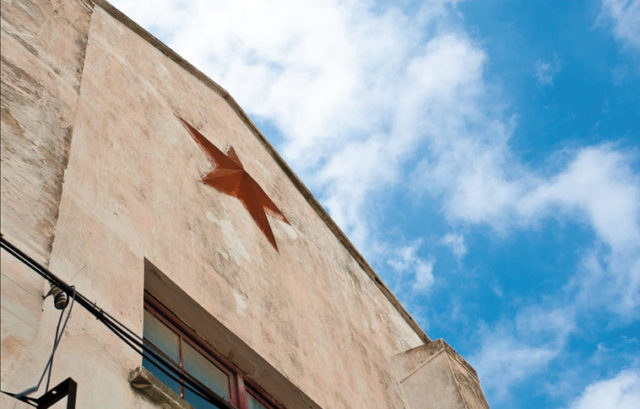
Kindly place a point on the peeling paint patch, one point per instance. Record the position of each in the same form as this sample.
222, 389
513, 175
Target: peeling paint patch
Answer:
231, 239
241, 304
289, 230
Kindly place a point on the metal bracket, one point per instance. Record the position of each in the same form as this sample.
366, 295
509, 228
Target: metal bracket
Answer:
67, 388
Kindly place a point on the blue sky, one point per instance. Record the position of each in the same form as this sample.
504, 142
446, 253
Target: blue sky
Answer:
484, 156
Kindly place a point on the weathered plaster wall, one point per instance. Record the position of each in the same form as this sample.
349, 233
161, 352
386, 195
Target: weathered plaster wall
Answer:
42, 56
132, 191
43, 45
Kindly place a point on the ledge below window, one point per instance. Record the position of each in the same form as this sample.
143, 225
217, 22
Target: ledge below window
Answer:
147, 384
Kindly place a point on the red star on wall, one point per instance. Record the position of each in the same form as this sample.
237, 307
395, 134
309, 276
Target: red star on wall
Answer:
229, 177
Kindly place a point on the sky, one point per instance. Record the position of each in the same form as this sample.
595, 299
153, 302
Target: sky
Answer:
483, 155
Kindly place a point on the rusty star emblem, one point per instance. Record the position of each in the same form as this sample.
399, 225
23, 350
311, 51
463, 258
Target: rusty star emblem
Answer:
229, 177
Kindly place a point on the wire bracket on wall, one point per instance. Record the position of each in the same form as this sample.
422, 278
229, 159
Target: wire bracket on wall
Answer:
67, 388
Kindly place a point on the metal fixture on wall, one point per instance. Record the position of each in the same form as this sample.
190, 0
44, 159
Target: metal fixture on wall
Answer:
60, 298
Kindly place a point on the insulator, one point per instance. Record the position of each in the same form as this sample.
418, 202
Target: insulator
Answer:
60, 299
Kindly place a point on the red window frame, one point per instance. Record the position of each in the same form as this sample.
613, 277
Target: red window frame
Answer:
239, 383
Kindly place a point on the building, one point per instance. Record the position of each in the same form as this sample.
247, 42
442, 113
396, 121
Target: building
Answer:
243, 281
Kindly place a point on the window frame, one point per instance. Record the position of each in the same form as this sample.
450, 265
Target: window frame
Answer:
239, 383
262, 398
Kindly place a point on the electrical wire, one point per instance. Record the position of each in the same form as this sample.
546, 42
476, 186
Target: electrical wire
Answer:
129, 337
53, 352
46, 388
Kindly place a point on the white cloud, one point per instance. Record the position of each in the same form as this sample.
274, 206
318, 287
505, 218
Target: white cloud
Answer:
504, 361
407, 262
424, 275
514, 350
545, 71
620, 392
481, 184
608, 282
456, 243
600, 184
597, 188
625, 17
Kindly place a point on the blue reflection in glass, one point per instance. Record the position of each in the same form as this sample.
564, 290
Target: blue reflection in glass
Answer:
168, 342
253, 403
205, 371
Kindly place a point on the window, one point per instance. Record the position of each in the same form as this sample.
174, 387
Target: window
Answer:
254, 402
168, 335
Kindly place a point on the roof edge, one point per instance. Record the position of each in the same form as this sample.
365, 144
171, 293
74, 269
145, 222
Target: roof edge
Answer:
306, 193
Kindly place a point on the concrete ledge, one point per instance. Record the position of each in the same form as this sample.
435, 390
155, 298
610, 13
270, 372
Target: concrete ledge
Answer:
435, 376
147, 384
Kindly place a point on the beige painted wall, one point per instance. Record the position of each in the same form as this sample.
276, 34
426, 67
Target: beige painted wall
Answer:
132, 191
43, 46
42, 57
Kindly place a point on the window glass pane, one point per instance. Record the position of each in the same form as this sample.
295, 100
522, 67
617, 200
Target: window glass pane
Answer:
197, 402
161, 336
253, 403
205, 371
165, 339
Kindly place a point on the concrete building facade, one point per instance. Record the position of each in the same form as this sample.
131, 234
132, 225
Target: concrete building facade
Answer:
102, 183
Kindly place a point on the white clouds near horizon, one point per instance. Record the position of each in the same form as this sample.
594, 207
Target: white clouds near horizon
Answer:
621, 391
